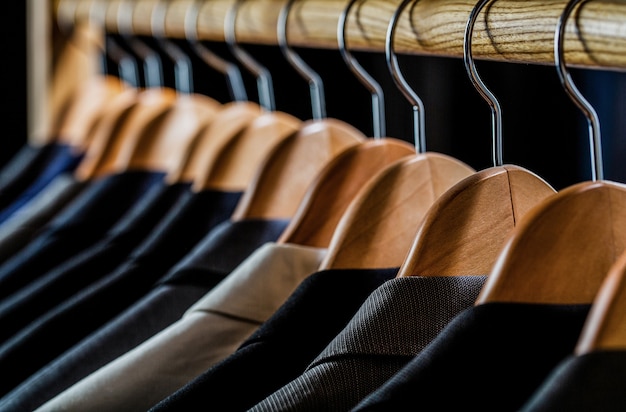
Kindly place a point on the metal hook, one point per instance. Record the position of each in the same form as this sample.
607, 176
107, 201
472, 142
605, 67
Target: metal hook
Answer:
316, 85
262, 75
126, 63
470, 66
153, 66
183, 71
234, 80
419, 130
595, 146
378, 99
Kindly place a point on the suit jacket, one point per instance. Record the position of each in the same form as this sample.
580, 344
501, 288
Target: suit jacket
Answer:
21, 228
95, 305
22, 169
594, 381
212, 260
393, 325
64, 159
57, 285
80, 225
208, 332
284, 345
492, 357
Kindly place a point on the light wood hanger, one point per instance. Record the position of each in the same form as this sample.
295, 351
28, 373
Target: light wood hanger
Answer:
465, 229
563, 249
605, 326
244, 133
152, 133
333, 190
282, 181
377, 229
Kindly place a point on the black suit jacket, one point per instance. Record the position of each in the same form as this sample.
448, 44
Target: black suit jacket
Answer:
67, 323
594, 381
212, 260
284, 345
492, 357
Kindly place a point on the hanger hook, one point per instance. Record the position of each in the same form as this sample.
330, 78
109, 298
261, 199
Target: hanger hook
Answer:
494, 104
152, 64
378, 98
595, 146
234, 80
316, 86
419, 130
183, 70
262, 75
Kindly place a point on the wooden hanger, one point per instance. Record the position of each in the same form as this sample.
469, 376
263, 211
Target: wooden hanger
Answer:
377, 229
333, 190
281, 182
563, 249
465, 229
605, 326
152, 133
244, 133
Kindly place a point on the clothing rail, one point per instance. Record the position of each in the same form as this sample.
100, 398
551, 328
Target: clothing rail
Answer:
520, 31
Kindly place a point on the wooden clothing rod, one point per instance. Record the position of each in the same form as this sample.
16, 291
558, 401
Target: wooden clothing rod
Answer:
519, 31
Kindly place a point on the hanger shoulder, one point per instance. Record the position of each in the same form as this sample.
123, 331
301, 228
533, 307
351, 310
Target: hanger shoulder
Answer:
562, 250
85, 108
334, 188
212, 140
605, 326
287, 171
377, 230
105, 132
236, 164
465, 229
165, 139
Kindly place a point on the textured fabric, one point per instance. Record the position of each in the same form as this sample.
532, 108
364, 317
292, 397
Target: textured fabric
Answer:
22, 170
594, 381
393, 325
80, 225
17, 231
229, 244
57, 285
491, 357
67, 323
284, 345
208, 332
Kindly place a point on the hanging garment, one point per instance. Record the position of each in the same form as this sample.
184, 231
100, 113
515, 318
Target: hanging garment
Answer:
55, 286
22, 169
179, 231
63, 159
79, 226
21, 228
491, 357
393, 325
209, 331
593, 381
284, 345
215, 257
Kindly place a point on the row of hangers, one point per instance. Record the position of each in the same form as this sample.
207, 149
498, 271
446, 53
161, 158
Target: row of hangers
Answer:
378, 202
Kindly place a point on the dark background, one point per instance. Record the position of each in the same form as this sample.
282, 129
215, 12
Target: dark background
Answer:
543, 129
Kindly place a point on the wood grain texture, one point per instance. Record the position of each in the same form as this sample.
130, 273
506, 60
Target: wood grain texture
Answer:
379, 226
507, 30
286, 173
467, 227
336, 186
605, 327
562, 250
